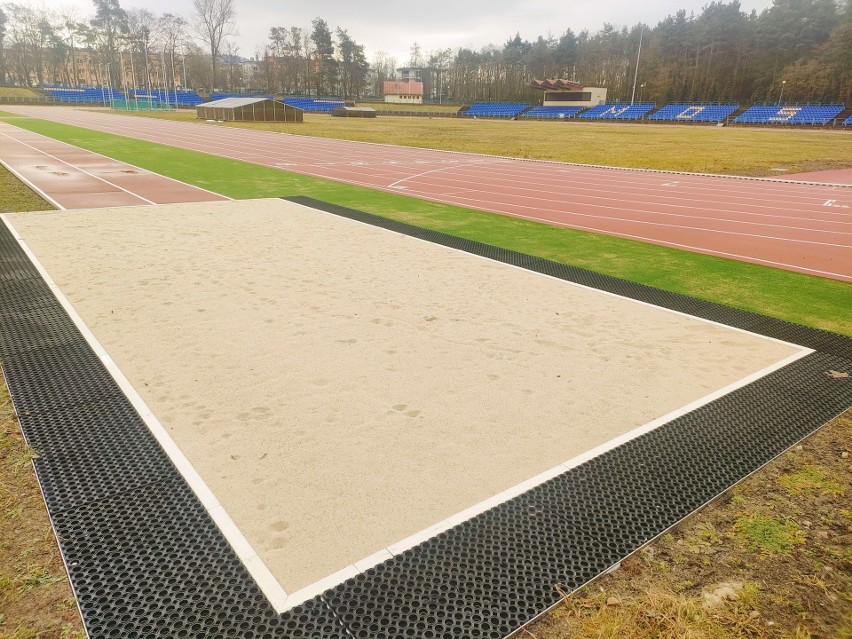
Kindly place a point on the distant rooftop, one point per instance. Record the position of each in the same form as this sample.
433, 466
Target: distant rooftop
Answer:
556, 84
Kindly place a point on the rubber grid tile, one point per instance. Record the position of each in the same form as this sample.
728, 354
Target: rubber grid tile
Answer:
92, 451
45, 379
490, 575
21, 331
150, 563
146, 560
26, 294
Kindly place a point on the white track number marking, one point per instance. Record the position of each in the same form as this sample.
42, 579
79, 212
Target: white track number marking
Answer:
834, 203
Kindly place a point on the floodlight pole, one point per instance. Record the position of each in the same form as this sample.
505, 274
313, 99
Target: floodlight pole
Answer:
636, 73
781, 95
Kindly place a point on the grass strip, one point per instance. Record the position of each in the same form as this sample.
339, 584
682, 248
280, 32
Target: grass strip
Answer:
795, 297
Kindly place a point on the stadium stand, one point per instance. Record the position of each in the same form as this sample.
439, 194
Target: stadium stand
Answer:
610, 111
693, 112
553, 112
848, 121
496, 109
813, 114
313, 105
88, 95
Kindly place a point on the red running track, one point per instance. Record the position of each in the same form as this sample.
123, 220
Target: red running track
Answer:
791, 225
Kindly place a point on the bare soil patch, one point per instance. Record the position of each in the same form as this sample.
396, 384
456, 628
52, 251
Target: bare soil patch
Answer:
35, 596
771, 558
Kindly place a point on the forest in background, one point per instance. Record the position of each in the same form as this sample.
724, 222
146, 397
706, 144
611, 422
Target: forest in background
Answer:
719, 54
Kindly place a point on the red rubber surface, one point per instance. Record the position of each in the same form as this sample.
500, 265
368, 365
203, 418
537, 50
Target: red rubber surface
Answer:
791, 225
72, 178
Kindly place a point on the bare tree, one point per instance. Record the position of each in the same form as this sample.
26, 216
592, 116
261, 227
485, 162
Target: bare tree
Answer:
213, 22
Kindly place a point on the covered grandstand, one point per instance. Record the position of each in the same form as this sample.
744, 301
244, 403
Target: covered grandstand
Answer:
249, 110
568, 93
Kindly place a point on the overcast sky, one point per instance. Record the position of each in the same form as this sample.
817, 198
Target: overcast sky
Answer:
392, 26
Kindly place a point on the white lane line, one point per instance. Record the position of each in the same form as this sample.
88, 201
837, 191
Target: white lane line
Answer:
259, 140
150, 130
77, 168
30, 184
138, 168
417, 175
649, 223
478, 186
260, 573
643, 238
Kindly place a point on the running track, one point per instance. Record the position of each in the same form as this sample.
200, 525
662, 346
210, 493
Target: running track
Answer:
796, 226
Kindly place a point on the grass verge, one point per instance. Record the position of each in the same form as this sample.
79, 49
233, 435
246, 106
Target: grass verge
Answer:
804, 299
15, 196
764, 561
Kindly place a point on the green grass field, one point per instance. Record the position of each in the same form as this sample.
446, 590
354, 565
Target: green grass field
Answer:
702, 149
804, 299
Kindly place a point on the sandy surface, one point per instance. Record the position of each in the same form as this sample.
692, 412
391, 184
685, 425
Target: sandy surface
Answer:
341, 387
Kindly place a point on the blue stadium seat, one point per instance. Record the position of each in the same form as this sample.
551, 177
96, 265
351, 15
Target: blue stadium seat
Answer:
324, 105
86, 95
813, 114
848, 121
615, 111
693, 112
181, 97
496, 109
553, 112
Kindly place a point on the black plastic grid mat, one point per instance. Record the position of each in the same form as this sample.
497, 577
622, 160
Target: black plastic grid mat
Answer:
146, 560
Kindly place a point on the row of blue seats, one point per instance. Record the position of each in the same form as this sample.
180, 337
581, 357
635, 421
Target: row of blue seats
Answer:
313, 104
693, 112
553, 112
496, 109
814, 114
618, 111
180, 97
84, 96
697, 112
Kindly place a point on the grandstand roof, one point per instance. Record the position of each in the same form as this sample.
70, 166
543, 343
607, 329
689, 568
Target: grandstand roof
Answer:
233, 103
550, 85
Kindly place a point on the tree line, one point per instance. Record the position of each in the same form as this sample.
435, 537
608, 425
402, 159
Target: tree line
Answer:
800, 47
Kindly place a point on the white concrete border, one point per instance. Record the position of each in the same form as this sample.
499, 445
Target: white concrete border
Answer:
282, 601
260, 573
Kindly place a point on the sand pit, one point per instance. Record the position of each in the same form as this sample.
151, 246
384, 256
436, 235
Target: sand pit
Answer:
340, 387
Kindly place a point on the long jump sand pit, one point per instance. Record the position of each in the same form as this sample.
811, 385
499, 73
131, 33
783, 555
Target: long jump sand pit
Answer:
341, 388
